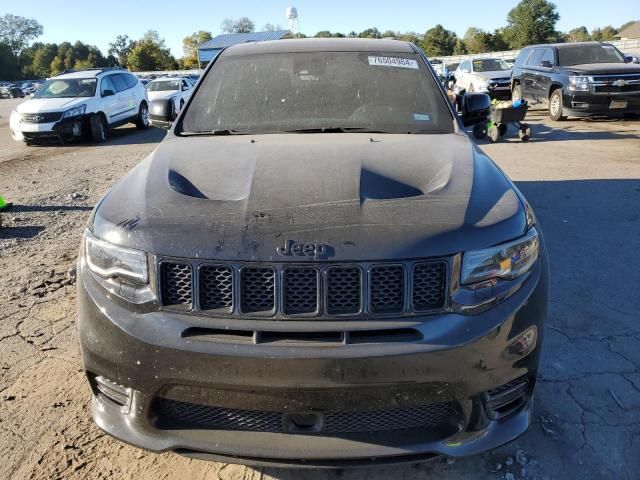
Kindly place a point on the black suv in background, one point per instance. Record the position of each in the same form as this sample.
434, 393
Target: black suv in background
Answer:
579, 79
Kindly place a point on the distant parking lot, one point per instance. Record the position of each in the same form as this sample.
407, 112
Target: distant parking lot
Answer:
583, 179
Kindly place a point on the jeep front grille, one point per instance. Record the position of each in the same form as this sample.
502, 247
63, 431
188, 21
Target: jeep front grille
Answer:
310, 290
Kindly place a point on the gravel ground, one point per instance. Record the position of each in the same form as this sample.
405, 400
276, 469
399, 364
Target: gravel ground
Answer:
584, 182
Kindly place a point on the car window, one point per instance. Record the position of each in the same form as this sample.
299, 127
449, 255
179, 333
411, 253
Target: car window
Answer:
107, 84
129, 79
522, 57
590, 53
490, 65
535, 57
466, 65
547, 56
119, 82
66, 88
293, 91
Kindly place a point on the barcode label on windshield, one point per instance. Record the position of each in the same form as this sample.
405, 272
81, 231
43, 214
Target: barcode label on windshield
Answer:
394, 62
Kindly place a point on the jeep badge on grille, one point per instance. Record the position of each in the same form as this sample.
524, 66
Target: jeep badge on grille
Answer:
315, 250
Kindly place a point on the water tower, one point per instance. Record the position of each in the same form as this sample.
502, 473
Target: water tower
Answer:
292, 17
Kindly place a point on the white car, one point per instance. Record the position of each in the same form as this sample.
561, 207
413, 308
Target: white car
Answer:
89, 102
486, 75
176, 89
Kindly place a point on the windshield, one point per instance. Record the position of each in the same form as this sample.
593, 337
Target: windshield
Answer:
67, 88
452, 66
318, 91
582, 54
163, 85
490, 65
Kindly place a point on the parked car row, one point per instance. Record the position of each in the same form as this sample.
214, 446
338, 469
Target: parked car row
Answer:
577, 79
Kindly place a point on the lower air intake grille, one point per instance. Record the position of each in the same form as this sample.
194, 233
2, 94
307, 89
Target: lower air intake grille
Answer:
258, 290
205, 416
176, 284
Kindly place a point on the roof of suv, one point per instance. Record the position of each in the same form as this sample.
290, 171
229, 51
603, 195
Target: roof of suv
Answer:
91, 73
566, 45
321, 45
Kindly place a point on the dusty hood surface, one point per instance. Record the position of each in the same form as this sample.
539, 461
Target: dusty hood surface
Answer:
364, 196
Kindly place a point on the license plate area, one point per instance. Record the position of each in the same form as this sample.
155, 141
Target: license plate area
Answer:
618, 104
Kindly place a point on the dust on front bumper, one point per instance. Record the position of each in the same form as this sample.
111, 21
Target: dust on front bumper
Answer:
460, 359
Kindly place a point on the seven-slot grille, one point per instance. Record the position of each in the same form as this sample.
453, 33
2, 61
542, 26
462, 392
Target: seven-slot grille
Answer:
45, 117
304, 290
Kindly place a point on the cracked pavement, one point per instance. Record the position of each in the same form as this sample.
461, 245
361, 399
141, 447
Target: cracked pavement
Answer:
583, 180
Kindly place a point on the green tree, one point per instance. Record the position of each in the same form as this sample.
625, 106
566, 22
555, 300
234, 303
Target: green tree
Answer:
42, 58
530, 22
16, 32
411, 37
370, 33
190, 46
150, 53
9, 63
478, 41
241, 25
120, 48
604, 34
390, 34
460, 48
579, 34
439, 42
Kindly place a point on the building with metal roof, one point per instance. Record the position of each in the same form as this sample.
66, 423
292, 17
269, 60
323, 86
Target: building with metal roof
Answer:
210, 50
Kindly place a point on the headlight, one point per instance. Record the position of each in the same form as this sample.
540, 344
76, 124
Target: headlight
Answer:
111, 261
579, 83
75, 111
506, 261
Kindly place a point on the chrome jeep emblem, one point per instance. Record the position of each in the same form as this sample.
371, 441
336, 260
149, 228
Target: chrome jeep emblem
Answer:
620, 83
315, 250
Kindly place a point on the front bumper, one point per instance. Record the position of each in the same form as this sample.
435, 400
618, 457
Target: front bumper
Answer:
460, 358
589, 104
60, 131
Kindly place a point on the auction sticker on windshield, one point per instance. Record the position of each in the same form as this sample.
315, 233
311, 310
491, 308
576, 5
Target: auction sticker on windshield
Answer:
394, 62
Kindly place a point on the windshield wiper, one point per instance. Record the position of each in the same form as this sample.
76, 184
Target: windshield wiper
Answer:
214, 132
337, 130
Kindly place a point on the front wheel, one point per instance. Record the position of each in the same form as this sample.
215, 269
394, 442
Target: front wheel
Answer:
97, 129
555, 105
142, 120
479, 131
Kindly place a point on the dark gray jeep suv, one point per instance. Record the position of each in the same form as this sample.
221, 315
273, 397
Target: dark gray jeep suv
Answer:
316, 267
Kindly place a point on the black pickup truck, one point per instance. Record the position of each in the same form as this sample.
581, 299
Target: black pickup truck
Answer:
578, 79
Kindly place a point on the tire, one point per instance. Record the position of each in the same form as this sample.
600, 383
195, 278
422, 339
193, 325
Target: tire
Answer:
181, 104
555, 105
142, 120
525, 132
516, 92
502, 129
493, 133
479, 131
97, 129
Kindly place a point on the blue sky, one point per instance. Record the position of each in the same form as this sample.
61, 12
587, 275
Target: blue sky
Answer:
93, 23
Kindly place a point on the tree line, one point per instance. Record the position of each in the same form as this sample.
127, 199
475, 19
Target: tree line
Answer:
529, 22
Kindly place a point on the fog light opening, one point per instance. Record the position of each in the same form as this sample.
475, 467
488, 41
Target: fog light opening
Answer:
112, 391
522, 345
507, 398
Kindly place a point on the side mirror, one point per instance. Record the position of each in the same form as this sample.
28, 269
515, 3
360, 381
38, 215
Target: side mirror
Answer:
108, 93
162, 113
546, 64
475, 108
